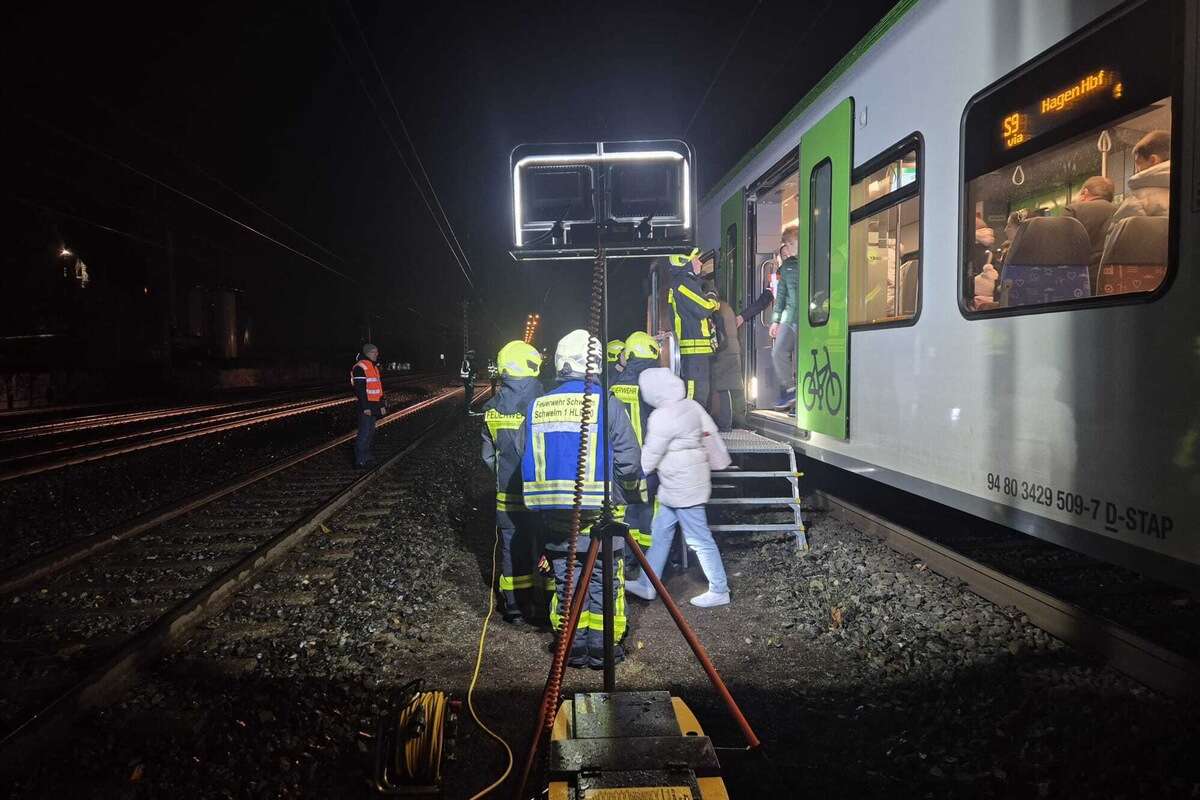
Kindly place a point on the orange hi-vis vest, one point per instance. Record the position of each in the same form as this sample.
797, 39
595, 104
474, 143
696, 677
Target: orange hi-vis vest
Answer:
374, 384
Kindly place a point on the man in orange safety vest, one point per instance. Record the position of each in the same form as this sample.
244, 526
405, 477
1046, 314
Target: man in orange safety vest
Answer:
368, 388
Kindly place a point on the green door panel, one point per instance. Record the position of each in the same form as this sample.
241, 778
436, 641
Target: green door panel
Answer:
730, 262
823, 350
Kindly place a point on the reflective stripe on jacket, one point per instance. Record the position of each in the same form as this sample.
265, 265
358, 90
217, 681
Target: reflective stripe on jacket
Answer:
371, 376
636, 515
501, 451
692, 313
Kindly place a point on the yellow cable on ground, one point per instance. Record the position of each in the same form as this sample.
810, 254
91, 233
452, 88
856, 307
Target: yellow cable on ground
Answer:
475, 678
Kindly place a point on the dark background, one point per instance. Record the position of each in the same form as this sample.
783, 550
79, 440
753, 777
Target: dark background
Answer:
258, 112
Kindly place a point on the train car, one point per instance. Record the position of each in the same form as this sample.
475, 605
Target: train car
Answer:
980, 321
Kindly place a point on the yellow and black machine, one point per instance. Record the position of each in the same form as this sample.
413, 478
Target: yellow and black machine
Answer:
631, 746
593, 202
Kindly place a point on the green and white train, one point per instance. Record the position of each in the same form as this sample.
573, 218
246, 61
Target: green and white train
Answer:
968, 337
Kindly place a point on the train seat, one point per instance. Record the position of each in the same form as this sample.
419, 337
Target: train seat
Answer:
1135, 256
1048, 262
907, 279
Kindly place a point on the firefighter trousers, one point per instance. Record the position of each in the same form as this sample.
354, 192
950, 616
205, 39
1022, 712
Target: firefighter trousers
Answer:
696, 372
590, 633
518, 542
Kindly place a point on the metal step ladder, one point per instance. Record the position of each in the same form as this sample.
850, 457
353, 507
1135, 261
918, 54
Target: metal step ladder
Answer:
741, 444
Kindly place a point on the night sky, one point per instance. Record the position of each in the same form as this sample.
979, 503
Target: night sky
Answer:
254, 110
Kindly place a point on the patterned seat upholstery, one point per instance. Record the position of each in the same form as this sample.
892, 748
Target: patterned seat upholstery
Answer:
1048, 263
1135, 256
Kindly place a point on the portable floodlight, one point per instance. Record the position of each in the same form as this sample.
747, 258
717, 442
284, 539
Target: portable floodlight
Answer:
625, 199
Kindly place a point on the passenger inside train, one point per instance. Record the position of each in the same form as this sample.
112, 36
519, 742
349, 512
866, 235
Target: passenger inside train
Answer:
1084, 219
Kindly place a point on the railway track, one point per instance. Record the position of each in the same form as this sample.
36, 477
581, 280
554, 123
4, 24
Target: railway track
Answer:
43, 447
79, 623
1141, 659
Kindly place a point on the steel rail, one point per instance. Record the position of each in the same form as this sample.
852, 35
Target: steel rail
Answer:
92, 421
55, 561
112, 676
1122, 649
109, 420
188, 430
230, 416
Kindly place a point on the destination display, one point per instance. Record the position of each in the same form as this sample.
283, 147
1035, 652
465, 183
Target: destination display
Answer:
1089, 92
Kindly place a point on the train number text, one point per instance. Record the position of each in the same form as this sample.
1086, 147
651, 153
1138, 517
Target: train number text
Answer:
1114, 517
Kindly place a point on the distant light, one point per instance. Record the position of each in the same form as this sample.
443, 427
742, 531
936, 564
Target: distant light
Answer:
955, 413
145, 290
65, 252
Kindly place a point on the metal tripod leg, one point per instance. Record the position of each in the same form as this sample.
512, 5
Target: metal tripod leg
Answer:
694, 642
578, 598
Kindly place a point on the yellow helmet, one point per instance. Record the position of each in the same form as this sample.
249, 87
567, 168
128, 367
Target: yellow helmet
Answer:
680, 260
614, 350
518, 359
641, 345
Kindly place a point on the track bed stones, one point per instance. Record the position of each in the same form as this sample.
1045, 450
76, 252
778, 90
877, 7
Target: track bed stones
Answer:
866, 674
46, 511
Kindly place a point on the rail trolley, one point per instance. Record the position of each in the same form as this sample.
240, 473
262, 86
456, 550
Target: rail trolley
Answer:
1060, 395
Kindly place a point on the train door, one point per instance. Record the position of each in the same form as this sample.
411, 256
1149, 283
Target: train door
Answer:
771, 208
729, 273
823, 351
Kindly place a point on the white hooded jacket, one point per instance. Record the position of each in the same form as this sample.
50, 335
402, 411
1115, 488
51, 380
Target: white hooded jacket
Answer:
674, 440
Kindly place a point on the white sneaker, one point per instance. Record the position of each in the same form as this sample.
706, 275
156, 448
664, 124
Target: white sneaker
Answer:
711, 599
640, 588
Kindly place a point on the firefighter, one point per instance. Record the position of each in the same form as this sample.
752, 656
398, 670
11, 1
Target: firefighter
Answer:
368, 389
550, 460
694, 326
639, 354
612, 355
518, 364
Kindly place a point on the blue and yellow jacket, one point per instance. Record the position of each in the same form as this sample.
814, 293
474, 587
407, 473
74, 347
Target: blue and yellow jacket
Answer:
550, 450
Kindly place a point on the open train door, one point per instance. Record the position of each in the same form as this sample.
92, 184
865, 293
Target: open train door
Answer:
823, 350
729, 259
729, 264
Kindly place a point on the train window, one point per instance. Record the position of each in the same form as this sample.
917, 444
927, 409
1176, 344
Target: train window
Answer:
881, 181
819, 244
1068, 173
885, 238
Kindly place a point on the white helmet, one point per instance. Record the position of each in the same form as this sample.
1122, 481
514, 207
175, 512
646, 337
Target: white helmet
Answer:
572, 352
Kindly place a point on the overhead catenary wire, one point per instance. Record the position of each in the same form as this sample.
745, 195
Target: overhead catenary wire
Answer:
721, 69
396, 146
86, 221
159, 182
404, 129
169, 148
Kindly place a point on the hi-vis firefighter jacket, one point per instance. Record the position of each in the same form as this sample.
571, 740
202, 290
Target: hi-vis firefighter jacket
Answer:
550, 457
501, 450
637, 515
693, 313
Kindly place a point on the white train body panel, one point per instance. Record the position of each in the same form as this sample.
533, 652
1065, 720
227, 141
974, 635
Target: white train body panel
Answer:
1102, 403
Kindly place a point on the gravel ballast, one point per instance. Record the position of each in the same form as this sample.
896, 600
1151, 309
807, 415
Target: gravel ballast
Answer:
865, 674
42, 512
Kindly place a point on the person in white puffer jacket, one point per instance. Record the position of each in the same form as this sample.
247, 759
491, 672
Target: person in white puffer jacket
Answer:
674, 447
